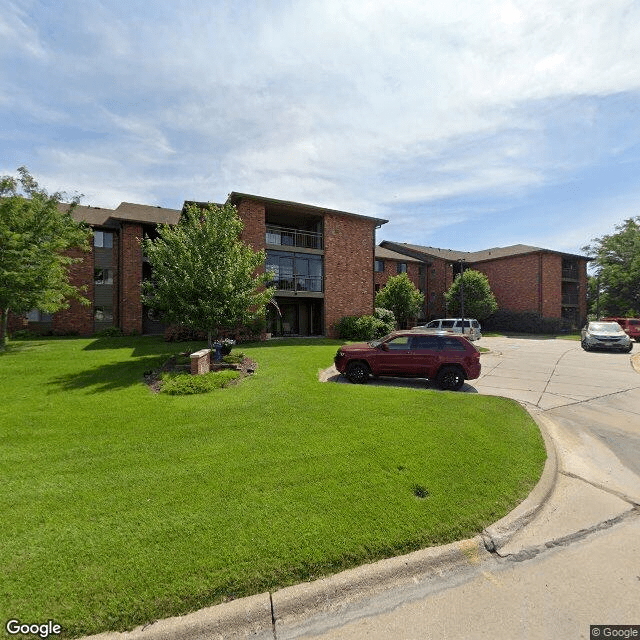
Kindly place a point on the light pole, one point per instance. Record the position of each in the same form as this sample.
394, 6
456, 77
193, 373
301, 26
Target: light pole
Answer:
462, 293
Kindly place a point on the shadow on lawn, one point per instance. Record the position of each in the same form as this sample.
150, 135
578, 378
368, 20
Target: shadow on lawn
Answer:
109, 377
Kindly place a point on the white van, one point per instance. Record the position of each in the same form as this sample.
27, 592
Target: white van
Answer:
471, 326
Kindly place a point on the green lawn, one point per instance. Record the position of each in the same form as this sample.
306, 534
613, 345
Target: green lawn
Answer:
120, 506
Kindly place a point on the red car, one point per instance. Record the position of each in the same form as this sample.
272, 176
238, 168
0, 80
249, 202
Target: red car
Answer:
448, 359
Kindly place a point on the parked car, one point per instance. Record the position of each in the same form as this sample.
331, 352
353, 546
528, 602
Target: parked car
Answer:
448, 359
472, 328
605, 335
631, 326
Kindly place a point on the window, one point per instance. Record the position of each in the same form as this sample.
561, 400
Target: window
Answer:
402, 267
448, 324
378, 266
103, 239
103, 276
399, 343
35, 315
377, 287
423, 343
452, 344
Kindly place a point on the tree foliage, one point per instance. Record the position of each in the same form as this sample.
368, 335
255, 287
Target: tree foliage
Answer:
203, 276
616, 258
479, 301
400, 296
35, 233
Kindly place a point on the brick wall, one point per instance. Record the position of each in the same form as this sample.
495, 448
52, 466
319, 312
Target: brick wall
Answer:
514, 281
348, 267
252, 215
439, 279
77, 318
130, 252
551, 269
582, 271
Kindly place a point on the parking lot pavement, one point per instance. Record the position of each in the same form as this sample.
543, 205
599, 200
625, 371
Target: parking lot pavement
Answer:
548, 373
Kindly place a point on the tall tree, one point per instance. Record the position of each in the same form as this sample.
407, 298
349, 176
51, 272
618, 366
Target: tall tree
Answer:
402, 297
203, 276
479, 301
616, 258
35, 232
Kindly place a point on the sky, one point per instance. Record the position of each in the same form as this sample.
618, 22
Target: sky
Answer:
467, 124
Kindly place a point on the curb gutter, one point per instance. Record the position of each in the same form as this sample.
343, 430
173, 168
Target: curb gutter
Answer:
498, 534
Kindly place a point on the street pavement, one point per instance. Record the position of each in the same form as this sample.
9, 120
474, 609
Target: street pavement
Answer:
568, 557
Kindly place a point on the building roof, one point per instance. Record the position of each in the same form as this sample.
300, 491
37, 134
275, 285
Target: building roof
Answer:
386, 254
235, 197
495, 253
129, 211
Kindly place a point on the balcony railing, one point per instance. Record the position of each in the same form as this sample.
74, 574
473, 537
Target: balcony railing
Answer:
293, 238
570, 274
298, 283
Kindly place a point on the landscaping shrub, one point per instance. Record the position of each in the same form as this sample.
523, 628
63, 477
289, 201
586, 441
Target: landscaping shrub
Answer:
183, 384
524, 322
23, 334
110, 332
180, 333
235, 358
366, 327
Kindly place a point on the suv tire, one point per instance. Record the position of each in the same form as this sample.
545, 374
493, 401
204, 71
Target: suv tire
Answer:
450, 378
358, 372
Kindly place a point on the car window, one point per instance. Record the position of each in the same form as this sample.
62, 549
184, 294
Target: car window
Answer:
401, 342
434, 324
452, 344
425, 343
447, 324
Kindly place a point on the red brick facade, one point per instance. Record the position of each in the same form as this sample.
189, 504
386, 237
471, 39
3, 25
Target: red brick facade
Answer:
78, 318
348, 263
131, 278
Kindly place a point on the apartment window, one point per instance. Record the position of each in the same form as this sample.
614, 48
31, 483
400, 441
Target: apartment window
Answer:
103, 239
402, 267
35, 315
103, 276
379, 266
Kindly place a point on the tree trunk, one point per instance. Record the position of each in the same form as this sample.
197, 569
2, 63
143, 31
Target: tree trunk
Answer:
4, 325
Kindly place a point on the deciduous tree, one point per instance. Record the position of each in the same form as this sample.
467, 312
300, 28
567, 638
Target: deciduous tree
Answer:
479, 301
616, 258
35, 232
203, 275
402, 297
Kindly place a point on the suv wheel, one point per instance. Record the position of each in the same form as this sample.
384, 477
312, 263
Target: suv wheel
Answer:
450, 378
585, 346
358, 372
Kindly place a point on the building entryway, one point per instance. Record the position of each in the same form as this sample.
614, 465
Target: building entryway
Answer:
296, 318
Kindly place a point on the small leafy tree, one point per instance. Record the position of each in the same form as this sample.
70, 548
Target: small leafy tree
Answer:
479, 301
401, 297
203, 276
35, 233
616, 258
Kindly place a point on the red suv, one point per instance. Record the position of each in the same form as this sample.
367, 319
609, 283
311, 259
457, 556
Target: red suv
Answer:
448, 359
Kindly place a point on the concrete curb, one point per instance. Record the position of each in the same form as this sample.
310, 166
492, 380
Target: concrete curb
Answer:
635, 362
292, 604
250, 616
498, 534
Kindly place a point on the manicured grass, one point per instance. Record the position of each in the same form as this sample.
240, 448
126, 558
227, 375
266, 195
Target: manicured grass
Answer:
120, 506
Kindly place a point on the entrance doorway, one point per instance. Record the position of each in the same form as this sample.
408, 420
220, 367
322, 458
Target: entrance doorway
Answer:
296, 318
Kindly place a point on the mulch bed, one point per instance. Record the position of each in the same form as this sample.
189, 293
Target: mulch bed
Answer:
153, 381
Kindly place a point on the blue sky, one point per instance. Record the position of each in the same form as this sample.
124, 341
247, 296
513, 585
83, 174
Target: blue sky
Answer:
468, 124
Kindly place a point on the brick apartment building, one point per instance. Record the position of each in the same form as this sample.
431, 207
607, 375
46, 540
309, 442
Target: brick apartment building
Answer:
523, 278
326, 265
322, 260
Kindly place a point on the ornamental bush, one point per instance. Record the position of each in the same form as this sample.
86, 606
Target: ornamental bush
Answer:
364, 328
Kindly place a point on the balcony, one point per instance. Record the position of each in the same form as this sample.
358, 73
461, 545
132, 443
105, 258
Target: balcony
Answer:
307, 284
570, 273
285, 237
